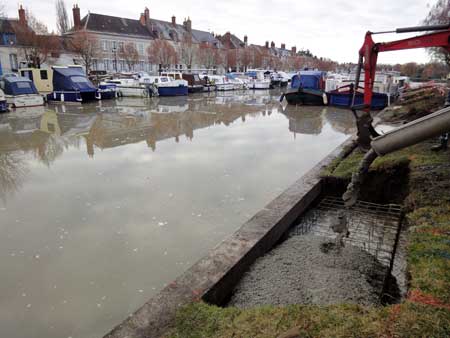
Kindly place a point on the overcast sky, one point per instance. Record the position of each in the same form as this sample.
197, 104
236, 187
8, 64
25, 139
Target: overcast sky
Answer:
333, 29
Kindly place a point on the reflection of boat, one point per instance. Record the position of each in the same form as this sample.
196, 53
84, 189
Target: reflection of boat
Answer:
307, 121
70, 84
21, 92
341, 120
343, 97
307, 88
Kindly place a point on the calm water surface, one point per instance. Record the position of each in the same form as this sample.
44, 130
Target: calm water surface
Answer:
103, 204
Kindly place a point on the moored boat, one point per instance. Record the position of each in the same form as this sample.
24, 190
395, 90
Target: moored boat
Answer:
129, 87
168, 86
20, 92
307, 88
258, 80
221, 83
70, 84
343, 97
107, 90
195, 84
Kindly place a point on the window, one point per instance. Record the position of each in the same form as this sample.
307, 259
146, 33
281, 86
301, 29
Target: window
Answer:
106, 64
104, 45
78, 79
141, 48
23, 85
27, 73
44, 75
13, 61
114, 45
121, 45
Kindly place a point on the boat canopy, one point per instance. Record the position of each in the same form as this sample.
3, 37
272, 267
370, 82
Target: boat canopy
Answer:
308, 79
71, 79
16, 85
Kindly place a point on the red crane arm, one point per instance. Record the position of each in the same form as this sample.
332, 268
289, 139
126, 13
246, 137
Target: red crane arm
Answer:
368, 55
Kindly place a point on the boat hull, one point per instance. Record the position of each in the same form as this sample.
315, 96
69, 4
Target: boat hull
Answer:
379, 101
3, 106
132, 91
305, 98
195, 89
21, 101
173, 91
72, 96
209, 88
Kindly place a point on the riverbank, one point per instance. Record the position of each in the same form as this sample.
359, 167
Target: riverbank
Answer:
424, 191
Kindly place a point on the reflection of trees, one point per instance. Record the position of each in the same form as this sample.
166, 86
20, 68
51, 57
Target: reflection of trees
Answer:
49, 151
12, 172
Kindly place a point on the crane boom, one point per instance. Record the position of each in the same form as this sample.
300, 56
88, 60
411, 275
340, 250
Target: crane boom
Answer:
368, 55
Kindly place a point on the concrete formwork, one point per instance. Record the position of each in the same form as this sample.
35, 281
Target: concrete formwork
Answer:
214, 277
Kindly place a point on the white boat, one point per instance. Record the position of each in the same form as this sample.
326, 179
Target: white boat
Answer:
167, 86
239, 81
384, 82
258, 80
221, 83
20, 92
130, 88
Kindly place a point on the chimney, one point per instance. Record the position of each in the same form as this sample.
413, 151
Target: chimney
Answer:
246, 40
283, 46
188, 24
76, 17
174, 20
272, 44
142, 19
267, 44
147, 14
22, 17
294, 50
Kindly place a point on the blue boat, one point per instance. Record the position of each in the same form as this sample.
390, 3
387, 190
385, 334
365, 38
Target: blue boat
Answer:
107, 90
70, 84
343, 97
307, 88
180, 90
20, 92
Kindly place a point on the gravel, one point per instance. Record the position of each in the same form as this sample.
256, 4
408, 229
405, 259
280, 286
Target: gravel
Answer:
308, 269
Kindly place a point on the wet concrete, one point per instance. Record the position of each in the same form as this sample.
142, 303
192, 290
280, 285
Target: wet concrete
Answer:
309, 270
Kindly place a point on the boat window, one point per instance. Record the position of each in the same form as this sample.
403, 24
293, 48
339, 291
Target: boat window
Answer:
79, 79
23, 85
27, 73
156, 80
44, 75
164, 79
196, 77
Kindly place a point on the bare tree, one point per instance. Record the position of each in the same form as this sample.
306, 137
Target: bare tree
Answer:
130, 54
36, 48
2, 10
439, 14
188, 52
161, 52
35, 24
62, 18
209, 55
85, 46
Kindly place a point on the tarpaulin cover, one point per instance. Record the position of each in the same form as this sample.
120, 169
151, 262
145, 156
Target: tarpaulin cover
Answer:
71, 79
308, 79
19, 86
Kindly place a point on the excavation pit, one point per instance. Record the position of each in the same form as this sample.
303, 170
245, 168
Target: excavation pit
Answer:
310, 267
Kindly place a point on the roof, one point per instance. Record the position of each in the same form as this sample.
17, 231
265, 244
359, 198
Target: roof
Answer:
153, 30
114, 24
5, 26
14, 79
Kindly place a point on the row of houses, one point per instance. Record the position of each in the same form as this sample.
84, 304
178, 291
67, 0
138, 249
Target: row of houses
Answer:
118, 44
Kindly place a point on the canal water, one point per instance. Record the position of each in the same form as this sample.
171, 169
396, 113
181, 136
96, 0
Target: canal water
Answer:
102, 205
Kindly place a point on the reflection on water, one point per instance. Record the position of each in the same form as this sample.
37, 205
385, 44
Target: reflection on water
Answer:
101, 205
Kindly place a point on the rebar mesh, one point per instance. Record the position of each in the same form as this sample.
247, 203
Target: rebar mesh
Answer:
375, 228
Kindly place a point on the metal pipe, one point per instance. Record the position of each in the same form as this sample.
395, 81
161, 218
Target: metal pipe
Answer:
412, 133
423, 28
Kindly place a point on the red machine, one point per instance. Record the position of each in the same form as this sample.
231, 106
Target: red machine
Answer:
368, 55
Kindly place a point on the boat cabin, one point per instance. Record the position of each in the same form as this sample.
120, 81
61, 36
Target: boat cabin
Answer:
193, 79
309, 79
42, 78
73, 84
